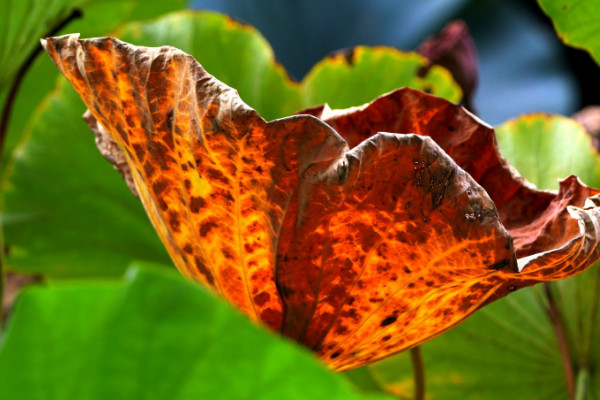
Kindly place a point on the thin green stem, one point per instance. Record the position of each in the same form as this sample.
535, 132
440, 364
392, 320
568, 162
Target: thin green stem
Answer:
583, 381
589, 336
561, 337
416, 356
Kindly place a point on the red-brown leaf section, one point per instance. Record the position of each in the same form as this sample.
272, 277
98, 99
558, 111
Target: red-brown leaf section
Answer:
357, 254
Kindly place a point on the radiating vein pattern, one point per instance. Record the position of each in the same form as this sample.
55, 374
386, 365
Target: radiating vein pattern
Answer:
356, 253
383, 256
210, 171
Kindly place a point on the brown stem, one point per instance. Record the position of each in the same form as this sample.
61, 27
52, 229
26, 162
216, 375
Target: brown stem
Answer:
16, 84
7, 112
561, 337
416, 356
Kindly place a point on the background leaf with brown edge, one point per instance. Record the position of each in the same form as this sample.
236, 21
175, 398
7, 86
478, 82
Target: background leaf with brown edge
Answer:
241, 58
509, 349
25, 21
152, 335
576, 22
80, 203
356, 76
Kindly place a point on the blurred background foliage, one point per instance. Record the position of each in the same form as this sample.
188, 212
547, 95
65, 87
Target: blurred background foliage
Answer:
523, 65
69, 220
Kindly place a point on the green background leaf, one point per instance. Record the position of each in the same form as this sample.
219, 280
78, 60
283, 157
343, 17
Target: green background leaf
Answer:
545, 148
23, 23
154, 336
576, 22
82, 221
26, 21
364, 73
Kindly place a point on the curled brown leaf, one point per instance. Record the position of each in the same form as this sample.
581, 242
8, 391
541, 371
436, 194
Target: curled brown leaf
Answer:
359, 233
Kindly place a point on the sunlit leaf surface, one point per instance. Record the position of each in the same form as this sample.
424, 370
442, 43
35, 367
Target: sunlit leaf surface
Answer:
355, 243
516, 337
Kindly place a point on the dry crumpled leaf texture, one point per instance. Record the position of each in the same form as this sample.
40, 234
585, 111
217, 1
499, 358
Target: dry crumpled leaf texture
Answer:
356, 243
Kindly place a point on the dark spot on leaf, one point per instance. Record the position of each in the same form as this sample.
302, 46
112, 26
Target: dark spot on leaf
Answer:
162, 204
347, 54
139, 151
169, 120
422, 71
159, 186
335, 355
227, 254
148, 169
217, 175
206, 227
388, 321
249, 247
499, 265
204, 271
261, 299
174, 221
196, 203
342, 330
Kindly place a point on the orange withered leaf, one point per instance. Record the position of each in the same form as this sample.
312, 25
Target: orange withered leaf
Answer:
355, 243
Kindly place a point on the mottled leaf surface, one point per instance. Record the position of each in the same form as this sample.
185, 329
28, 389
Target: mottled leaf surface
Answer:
515, 337
356, 253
